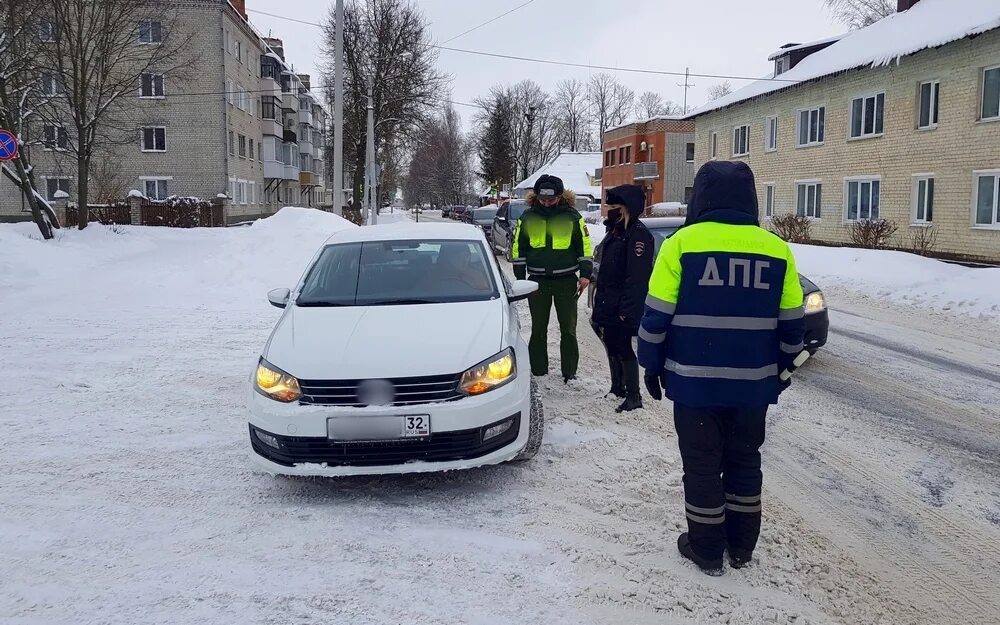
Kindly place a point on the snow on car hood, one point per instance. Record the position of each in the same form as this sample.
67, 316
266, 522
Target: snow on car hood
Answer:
360, 342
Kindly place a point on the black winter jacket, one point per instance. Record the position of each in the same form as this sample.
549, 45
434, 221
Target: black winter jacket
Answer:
623, 280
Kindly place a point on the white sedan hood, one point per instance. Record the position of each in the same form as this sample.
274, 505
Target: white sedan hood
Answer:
361, 342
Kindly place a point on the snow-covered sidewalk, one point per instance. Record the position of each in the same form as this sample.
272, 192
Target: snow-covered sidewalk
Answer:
128, 495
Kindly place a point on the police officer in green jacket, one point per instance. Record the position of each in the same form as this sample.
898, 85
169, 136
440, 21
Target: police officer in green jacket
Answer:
552, 247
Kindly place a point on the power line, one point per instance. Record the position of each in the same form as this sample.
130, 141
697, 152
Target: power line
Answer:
632, 70
487, 23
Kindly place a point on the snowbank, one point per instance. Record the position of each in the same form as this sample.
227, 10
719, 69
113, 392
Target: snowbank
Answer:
904, 278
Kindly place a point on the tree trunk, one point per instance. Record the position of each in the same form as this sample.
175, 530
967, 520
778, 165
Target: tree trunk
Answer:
82, 189
41, 212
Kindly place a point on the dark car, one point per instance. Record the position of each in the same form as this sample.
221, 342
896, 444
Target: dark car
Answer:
446, 211
460, 212
483, 217
504, 224
817, 317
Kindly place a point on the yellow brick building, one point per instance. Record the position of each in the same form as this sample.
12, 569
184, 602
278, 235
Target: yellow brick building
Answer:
897, 121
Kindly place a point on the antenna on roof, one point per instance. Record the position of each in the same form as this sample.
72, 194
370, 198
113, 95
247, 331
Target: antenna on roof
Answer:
687, 85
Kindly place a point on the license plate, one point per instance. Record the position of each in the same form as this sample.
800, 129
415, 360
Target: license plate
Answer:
416, 426
378, 428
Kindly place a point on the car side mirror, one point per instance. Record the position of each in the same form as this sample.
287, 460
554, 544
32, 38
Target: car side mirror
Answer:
279, 297
521, 289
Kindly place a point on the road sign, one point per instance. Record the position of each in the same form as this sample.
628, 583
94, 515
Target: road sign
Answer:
8, 145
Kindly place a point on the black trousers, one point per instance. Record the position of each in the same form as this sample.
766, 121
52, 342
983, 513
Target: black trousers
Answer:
720, 449
617, 341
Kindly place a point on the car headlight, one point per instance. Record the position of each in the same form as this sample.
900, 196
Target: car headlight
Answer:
815, 302
275, 383
489, 374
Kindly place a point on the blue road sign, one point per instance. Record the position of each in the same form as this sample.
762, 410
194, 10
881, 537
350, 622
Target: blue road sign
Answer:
8, 145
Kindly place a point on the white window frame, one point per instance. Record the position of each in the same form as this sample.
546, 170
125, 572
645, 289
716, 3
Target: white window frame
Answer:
157, 179
713, 145
817, 184
152, 84
864, 101
151, 40
232, 190
771, 134
976, 175
57, 133
154, 129
930, 190
241, 192
745, 140
820, 128
861, 180
52, 84
933, 107
770, 190
58, 188
982, 107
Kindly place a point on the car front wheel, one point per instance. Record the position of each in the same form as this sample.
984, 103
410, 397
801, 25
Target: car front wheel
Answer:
536, 426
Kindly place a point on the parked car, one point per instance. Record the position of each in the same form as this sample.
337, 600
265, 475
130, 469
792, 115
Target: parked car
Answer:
427, 370
446, 211
460, 212
502, 233
817, 317
483, 218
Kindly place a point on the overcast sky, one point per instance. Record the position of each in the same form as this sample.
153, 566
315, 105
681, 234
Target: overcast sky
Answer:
731, 37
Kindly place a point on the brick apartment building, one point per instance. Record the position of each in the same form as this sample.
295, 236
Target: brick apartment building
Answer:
255, 131
897, 121
657, 153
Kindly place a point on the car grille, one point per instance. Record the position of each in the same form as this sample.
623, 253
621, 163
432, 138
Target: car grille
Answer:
408, 391
440, 447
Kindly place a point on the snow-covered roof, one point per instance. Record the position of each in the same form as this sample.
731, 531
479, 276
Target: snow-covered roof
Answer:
802, 46
575, 169
671, 118
929, 23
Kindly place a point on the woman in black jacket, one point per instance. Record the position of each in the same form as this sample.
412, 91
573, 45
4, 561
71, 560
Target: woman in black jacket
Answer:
622, 285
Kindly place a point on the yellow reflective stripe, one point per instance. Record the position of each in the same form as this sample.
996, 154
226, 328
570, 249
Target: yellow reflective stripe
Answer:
665, 283
515, 250
588, 250
791, 293
710, 236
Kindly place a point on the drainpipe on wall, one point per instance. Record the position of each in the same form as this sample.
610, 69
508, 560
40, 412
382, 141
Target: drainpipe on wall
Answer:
225, 109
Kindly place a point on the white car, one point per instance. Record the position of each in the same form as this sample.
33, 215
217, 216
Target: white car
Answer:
399, 351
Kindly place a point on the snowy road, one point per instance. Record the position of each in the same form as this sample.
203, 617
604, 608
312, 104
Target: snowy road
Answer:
127, 495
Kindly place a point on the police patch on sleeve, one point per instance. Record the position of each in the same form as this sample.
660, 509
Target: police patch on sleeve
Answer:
640, 248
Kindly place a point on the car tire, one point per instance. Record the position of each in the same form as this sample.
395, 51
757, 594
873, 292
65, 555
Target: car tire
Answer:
536, 426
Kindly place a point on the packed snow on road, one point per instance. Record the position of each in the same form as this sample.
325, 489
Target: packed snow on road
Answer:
128, 494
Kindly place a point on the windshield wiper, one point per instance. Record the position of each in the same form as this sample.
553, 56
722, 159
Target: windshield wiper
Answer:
318, 303
401, 302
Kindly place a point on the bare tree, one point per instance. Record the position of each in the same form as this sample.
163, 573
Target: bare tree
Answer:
94, 61
860, 13
600, 91
572, 110
387, 45
652, 104
720, 90
440, 170
20, 30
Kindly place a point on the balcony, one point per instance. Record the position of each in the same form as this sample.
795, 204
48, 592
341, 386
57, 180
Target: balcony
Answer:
307, 178
646, 171
290, 102
306, 145
289, 136
291, 172
274, 169
306, 117
272, 128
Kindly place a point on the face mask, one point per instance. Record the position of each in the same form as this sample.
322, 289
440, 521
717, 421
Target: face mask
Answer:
614, 215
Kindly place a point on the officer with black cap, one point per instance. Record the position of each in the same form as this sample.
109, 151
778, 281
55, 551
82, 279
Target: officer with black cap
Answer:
552, 247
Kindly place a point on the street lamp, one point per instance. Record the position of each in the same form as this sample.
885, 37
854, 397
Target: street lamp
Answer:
371, 168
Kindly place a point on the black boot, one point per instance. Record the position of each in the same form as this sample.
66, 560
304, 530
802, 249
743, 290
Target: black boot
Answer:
739, 558
633, 399
617, 383
708, 567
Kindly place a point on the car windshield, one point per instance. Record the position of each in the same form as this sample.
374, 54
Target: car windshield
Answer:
659, 236
485, 214
386, 273
516, 210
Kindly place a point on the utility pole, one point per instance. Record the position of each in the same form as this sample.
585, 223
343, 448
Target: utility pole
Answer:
371, 215
530, 116
338, 113
687, 85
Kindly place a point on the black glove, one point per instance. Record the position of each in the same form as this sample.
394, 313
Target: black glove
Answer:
653, 386
783, 385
